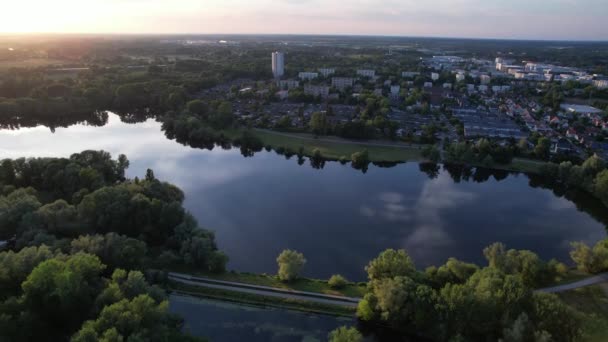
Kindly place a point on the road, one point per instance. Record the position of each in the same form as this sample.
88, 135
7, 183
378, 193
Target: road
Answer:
598, 279
265, 290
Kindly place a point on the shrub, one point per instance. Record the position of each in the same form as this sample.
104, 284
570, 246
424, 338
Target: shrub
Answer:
337, 281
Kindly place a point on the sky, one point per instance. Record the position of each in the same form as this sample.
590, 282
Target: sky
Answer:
510, 19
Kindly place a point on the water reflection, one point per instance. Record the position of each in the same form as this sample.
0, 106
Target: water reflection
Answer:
222, 321
338, 217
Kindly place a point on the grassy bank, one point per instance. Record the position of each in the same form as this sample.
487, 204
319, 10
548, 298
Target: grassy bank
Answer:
302, 284
592, 302
336, 148
253, 299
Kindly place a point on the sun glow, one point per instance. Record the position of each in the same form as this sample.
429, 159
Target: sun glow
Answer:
22, 16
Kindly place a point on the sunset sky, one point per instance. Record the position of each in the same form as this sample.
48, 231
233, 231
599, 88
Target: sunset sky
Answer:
529, 19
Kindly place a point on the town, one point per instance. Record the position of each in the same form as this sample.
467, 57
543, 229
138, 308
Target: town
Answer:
444, 99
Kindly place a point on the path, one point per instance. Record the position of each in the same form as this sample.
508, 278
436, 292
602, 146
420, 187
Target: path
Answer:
265, 290
600, 278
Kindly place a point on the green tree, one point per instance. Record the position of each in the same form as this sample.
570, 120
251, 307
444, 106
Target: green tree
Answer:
290, 264
61, 292
390, 263
197, 107
139, 319
344, 334
601, 186
542, 148
115, 251
318, 123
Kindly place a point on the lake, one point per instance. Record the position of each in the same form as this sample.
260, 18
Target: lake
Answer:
339, 217
227, 322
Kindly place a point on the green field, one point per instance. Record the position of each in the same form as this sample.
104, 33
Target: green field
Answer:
521, 165
336, 148
592, 302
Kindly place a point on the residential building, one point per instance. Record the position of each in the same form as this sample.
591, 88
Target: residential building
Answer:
601, 83
434, 76
460, 77
485, 79
395, 89
308, 75
447, 59
282, 94
580, 109
409, 74
428, 84
342, 83
327, 71
278, 64
366, 73
288, 84
316, 90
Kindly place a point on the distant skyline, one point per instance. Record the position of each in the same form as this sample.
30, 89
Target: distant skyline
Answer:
514, 19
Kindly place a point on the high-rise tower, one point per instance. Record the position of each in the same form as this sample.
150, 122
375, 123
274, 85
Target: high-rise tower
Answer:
278, 64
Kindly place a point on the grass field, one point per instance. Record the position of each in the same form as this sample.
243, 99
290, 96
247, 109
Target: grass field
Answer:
592, 302
335, 149
303, 284
521, 165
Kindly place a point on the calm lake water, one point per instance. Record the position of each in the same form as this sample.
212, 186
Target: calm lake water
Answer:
339, 217
229, 322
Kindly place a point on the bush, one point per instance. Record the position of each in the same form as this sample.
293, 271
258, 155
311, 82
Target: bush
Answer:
337, 281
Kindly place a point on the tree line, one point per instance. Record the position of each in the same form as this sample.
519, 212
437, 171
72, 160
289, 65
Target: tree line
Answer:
79, 232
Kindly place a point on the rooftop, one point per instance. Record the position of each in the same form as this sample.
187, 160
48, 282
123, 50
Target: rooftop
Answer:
580, 108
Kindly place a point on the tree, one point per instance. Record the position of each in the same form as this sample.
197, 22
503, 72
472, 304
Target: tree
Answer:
344, 334
389, 264
601, 186
116, 251
318, 123
61, 292
16, 266
431, 153
592, 260
13, 208
290, 264
542, 148
360, 159
197, 107
139, 319
337, 281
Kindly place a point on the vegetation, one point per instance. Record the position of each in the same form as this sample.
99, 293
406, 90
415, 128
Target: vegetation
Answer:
591, 260
592, 303
290, 264
71, 223
351, 289
591, 176
67, 296
498, 300
337, 281
344, 334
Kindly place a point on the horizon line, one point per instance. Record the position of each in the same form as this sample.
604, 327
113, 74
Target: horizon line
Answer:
297, 34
